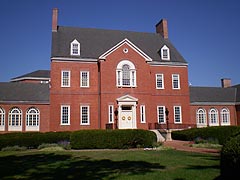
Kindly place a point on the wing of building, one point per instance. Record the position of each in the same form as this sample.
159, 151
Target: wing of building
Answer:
112, 79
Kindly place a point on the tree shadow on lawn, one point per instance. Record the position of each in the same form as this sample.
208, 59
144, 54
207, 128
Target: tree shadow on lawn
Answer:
54, 166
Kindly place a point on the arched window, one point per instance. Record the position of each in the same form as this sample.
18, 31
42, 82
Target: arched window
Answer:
32, 117
2, 119
201, 117
213, 117
225, 117
126, 74
15, 119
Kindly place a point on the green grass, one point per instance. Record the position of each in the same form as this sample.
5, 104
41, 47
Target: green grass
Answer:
109, 164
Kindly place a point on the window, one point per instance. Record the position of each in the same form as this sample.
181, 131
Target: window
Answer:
32, 117
126, 74
175, 81
75, 48
84, 79
110, 114
165, 54
177, 114
213, 117
65, 79
201, 116
142, 114
65, 115
2, 119
161, 114
159, 81
225, 117
15, 119
85, 115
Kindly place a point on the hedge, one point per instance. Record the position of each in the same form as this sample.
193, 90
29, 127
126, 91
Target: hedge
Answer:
112, 139
32, 139
230, 158
220, 133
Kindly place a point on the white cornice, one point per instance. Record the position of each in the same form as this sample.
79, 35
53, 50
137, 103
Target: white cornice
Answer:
73, 59
129, 43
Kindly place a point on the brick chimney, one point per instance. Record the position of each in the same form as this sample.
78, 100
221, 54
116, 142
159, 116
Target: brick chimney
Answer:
162, 28
54, 20
226, 82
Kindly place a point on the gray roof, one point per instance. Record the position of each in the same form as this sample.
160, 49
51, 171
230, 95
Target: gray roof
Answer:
95, 42
24, 92
208, 95
35, 74
238, 93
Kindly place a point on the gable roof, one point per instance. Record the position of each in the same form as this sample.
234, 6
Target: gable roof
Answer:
95, 42
212, 95
15, 92
39, 74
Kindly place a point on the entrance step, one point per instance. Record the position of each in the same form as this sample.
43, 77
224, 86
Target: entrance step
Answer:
160, 138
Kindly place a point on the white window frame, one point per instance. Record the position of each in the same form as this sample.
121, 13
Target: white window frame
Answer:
201, 117
64, 79
84, 82
65, 115
142, 114
175, 79
225, 117
13, 116
176, 115
2, 119
32, 116
213, 117
132, 74
110, 114
163, 50
159, 80
88, 115
163, 114
75, 48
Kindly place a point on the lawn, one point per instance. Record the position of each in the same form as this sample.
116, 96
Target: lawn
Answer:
109, 164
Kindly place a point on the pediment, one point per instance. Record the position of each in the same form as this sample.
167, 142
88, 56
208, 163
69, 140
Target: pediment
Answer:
127, 98
130, 44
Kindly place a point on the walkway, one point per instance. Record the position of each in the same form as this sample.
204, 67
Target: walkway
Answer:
184, 146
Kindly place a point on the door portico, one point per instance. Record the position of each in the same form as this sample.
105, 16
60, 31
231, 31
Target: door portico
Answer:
127, 112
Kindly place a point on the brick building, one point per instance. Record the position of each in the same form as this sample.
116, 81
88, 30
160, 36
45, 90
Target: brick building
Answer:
108, 79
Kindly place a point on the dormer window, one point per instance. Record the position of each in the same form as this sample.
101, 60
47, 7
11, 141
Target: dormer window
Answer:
165, 53
75, 48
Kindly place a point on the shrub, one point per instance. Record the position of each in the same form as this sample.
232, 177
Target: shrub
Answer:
32, 139
230, 158
112, 139
215, 134
14, 148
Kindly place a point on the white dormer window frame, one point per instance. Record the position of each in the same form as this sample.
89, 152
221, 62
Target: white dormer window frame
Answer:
75, 48
165, 53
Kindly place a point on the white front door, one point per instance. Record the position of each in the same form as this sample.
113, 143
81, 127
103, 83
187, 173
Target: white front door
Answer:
126, 117
127, 112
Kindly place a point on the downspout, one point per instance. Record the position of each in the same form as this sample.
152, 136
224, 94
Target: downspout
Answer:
99, 94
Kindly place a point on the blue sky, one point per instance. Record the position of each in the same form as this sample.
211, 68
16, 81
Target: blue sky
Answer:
205, 32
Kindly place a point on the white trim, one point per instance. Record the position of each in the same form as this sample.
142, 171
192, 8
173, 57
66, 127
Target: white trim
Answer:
67, 59
29, 78
164, 115
10, 115
216, 116
2, 119
162, 78
178, 81
72, 48
37, 114
227, 113
168, 63
110, 114
168, 53
204, 124
68, 115
129, 43
180, 114
69, 78
142, 114
81, 82
212, 103
88, 115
